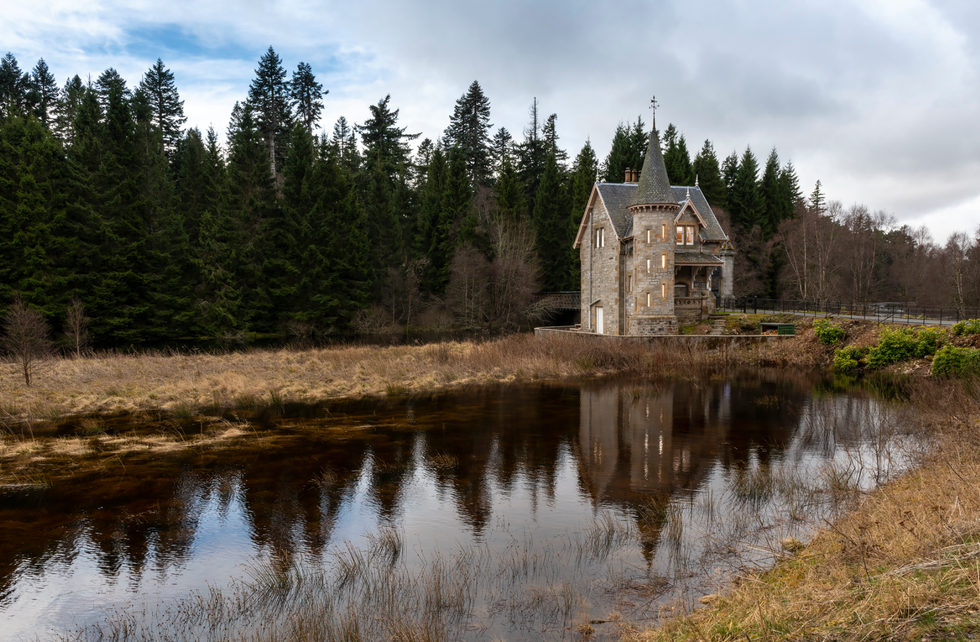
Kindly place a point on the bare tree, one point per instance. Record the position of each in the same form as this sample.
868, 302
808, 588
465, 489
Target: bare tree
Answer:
76, 326
26, 337
812, 245
956, 268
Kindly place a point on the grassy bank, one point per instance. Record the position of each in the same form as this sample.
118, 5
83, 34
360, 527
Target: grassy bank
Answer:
905, 564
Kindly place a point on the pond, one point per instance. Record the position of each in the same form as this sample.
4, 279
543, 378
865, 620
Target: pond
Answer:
517, 512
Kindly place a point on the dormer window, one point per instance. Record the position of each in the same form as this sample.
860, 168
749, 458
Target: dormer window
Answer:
685, 234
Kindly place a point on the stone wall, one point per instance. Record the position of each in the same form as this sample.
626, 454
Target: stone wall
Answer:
652, 311
692, 341
604, 268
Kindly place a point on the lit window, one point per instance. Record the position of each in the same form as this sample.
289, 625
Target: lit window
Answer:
648, 266
649, 234
690, 235
663, 290
680, 235
663, 231
663, 261
649, 299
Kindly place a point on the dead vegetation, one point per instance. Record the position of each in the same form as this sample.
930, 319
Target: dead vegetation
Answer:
904, 565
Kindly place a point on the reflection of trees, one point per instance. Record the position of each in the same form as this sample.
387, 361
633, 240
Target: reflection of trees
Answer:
633, 446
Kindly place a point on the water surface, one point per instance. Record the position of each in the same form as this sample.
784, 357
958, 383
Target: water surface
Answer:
624, 496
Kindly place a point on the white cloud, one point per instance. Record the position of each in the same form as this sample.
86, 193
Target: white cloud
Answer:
876, 98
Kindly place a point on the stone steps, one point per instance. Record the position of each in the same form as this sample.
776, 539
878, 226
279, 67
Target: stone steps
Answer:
718, 324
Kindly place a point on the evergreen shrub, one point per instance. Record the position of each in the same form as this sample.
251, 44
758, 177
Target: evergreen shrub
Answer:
952, 361
828, 332
849, 358
970, 326
895, 346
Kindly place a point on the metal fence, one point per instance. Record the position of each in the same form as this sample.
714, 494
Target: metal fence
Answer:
890, 312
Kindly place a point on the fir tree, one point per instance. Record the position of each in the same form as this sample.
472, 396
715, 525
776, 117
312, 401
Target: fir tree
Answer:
531, 155
44, 92
307, 96
729, 170
789, 191
677, 159
707, 174
432, 234
108, 82
344, 144
769, 193
386, 144
14, 85
816, 200
166, 107
501, 147
745, 201
66, 108
580, 189
550, 135
628, 148
269, 97
550, 221
469, 129
509, 193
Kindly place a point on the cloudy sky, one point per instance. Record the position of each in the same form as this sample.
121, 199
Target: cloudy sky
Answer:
878, 99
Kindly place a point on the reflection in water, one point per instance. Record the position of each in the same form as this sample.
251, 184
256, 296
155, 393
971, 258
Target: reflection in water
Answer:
481, 468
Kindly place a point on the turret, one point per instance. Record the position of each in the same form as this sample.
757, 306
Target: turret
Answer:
653, 209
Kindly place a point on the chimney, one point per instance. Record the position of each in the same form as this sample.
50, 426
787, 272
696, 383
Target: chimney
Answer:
629, 176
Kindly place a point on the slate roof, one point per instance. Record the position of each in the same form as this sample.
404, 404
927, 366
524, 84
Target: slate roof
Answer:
619, 196
654, 187
713, 231
689, 257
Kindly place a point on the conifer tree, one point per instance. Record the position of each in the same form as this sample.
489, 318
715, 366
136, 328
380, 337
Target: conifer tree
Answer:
628, 148
14, 85
745, 202
432, 234
769, 193
789, 191
550, 135
501, 147
469, 129
729, 170
307, 96
249, 201
110, 81
166, 107
550, 221
386, 144
676, 158
66, 108
817, 200
269, 97
509, 193
531, 155
44, 92
707, 174
344, 143
580, 189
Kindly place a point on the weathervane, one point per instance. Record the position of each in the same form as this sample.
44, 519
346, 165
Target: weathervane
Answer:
653, 106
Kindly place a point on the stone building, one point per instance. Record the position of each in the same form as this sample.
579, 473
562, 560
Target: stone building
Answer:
652, 254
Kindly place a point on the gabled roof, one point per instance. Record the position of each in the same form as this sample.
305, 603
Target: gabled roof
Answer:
654, 186
688, 205
617, 197
712, 230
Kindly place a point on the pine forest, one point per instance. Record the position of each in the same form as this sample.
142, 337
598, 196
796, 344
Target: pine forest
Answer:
118, 220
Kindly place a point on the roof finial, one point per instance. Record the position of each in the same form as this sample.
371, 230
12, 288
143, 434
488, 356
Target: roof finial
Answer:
688, 197
695, 180
653, 106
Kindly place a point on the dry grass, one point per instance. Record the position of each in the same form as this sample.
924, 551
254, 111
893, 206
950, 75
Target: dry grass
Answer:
904, 565
186, 385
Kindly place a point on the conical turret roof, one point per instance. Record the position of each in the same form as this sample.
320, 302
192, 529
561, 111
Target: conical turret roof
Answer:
654, 187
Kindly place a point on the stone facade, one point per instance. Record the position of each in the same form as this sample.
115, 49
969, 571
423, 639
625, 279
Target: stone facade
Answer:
652, 254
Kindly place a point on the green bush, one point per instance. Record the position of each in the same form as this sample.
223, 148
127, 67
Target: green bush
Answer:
828, 332
970, 326
930, 340
850, 358
951, 361
895, 346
